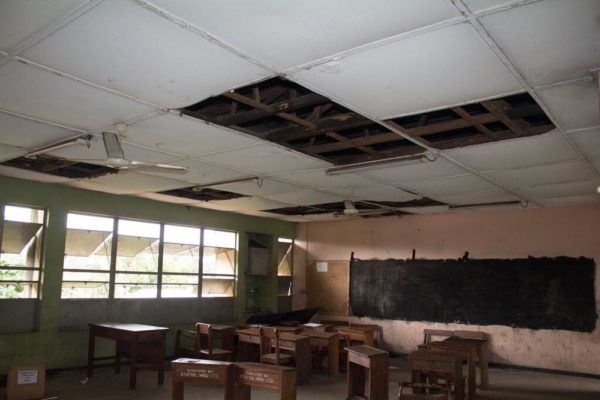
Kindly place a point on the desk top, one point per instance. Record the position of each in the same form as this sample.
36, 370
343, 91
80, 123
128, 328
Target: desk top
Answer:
129, 327
318, 334
367, 351
199, 361
359, 329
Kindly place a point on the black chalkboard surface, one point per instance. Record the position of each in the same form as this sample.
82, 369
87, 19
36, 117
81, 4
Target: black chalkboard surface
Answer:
536, 293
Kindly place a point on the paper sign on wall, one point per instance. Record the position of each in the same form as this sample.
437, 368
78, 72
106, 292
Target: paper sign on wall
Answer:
321, 266
27, 377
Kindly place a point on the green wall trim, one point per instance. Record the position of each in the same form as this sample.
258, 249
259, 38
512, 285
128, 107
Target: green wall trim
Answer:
64, 349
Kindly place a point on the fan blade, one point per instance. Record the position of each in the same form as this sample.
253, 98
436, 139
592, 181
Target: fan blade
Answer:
112, 145
88, 161
154, 167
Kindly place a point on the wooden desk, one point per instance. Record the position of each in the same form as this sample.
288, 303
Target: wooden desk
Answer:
362, 334
467, 352
330, 341
136, 342
298, 345
265, 376
201, 372
480, 340
368, 364
427, 362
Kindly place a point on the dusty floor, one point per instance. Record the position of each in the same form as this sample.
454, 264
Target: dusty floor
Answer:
506, 384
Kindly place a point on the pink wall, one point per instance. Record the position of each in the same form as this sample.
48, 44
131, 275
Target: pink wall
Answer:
568, 231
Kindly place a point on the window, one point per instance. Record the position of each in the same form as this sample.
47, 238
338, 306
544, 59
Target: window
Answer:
180, 265
284, 266
86, 267
218, 263
181, 261
21, 251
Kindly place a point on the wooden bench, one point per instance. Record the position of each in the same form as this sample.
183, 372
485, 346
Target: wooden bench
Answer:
367, 364
202, 372
248, 375
424, 363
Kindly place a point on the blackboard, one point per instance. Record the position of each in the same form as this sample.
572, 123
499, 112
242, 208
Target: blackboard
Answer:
535, 293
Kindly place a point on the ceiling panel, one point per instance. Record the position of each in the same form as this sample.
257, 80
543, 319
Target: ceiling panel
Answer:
249, 204
8, 152
21, 18
448, 185
379, 193
30, 91
128, 183
575, 106
588, 141
126, 47
570, 200
437, 169
478, 197
312, 28
167, 198
560, 189
544, 174
30, 134
549, 41
30, 175
266, 159
201, 173
400, 77
258, 188
516, 153
305, 197
185, 135
318, 179
478, 5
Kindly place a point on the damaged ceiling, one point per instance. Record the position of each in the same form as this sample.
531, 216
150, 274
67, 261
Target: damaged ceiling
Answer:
287, 111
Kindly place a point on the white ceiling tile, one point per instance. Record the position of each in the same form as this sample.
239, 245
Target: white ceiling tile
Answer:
200, 173
437, 169
478, 5
407, 76
448, 185
268, 29
30, 91
305, 197
21, 18
30, 175
185, 135
8, 152
516, 153
318, 179
543, 174
249, 204
126, 182
258, 187
266, 159
560, 189
126, 47
30, 134
549, 41
570, 200
166, 198
479, 197
575, 106
587, 141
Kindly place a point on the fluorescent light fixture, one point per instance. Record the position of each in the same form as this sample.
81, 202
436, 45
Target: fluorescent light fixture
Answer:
384, 163
258, 180
82, 140
498, 204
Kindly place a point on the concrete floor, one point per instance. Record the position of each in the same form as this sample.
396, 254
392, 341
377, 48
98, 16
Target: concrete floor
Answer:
506, 384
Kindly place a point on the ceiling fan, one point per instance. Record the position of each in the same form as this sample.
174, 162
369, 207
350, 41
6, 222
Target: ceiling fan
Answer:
115, 157
350, 210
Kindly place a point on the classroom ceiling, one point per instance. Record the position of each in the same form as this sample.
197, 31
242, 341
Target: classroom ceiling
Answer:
287, 109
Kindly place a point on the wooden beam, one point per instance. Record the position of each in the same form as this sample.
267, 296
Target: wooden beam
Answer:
385, 137
447, 126
469, 118
324, 125
496, 107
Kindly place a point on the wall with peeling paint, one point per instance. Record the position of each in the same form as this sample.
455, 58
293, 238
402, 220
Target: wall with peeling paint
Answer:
568, 231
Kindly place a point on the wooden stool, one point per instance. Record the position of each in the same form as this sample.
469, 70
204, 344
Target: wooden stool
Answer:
201, 372
368, 363
247, 375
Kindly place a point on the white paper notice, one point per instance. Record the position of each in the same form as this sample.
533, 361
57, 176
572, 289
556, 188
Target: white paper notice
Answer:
27, 377
321, 266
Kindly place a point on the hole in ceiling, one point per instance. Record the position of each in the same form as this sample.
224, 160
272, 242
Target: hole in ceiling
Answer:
203, 194
60, 167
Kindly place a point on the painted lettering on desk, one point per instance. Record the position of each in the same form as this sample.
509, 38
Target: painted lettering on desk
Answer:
259, 377
205, 373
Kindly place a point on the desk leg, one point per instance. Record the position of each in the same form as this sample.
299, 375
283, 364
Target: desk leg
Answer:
117, 362
484, 359
161, 360
472, 373
242, 392
379, 379
177, 392
459, 388
333, 356
356, 380
91, 355
134, 360
302, 358
288, 386
369, 339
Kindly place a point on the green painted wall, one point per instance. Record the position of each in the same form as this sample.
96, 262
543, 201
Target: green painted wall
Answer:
62, 349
